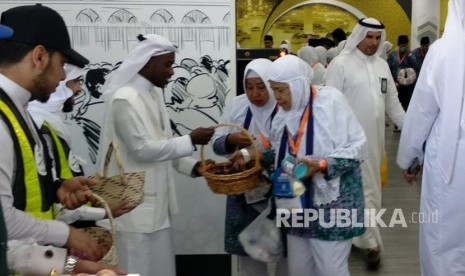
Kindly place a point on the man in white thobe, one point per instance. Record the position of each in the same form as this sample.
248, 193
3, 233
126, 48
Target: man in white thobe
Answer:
435, 128
137, 120
371, 92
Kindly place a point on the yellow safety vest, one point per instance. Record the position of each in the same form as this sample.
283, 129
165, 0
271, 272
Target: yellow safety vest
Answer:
61, 160
32, 182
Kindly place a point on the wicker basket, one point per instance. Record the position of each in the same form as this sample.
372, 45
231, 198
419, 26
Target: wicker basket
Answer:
104, 237
234, 183
125, 185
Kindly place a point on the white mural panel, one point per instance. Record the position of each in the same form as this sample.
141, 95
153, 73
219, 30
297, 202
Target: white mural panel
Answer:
104, 32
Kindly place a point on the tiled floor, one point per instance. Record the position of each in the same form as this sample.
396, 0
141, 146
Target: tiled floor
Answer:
400, 256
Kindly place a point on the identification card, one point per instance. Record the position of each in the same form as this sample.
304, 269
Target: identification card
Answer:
258, 194
383, 85
282, 184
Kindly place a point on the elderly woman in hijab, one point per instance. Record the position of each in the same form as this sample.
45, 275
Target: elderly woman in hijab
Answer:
254, 111
321, 132
309, 55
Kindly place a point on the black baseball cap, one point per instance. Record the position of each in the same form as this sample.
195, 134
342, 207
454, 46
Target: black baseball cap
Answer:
40, 25
5, 32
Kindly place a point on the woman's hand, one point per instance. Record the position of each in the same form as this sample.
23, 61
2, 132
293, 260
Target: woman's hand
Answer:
314, 166
239, 140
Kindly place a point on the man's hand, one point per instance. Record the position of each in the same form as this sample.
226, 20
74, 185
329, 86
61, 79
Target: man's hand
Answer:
89, 267
84, 246
410, 178
201, 135
120, 208
74, 192
239, 140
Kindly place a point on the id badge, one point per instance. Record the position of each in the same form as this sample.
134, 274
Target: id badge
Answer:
282, 184
383, 85
258, 194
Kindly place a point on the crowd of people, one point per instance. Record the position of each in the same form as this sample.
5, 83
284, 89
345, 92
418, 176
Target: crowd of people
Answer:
312, 108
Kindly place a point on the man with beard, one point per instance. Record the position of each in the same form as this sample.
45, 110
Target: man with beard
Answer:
31, 66
137, 120
371, 92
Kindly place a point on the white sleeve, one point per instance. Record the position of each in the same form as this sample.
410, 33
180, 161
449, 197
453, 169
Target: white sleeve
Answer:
421, 115
185, 165
20, 224
132, 133
29, 259
81, 213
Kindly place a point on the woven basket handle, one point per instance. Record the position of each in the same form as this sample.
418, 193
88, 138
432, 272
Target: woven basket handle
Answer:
113, 148
243, 131
110, 216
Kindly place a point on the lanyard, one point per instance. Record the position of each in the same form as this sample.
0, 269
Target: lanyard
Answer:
294, 142
400, 60
265, 142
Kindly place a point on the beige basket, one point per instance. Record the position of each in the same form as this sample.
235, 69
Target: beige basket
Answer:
125, 185
105, 237
234, 183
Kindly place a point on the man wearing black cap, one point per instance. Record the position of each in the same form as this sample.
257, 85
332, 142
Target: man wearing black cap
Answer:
419, 54
31, 66
268, 41
402, 69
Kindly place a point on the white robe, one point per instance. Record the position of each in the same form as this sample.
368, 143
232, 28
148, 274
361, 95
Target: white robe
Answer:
362, 87
138, 121
442, 247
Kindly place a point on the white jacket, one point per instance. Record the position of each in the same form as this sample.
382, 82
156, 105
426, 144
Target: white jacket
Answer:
137, 120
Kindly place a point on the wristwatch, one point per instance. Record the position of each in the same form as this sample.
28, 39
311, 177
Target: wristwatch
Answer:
70, 264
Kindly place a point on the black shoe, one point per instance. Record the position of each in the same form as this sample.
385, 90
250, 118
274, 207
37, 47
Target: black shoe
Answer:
373, 261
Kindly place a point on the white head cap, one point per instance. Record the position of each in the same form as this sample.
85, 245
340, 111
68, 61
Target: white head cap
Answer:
150, 45
62, 93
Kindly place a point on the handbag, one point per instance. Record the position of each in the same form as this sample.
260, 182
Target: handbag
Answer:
262, 239
125, 185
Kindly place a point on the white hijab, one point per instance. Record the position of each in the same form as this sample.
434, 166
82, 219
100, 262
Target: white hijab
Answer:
296, 74
309, 55
359, 33
51, 111
387, 46
322, 54
261, 115
152, 45
453, 41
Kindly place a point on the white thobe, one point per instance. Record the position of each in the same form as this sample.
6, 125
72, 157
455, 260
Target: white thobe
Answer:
139, 123
368, 85
442, 247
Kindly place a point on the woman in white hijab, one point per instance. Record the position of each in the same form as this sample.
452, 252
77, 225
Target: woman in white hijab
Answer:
321, 131
254, 111
309, 55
